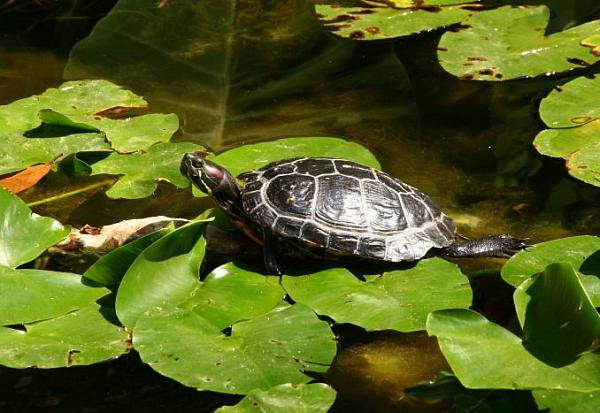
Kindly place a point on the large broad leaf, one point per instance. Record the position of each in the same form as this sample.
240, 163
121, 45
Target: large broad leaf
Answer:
573, 113
248, 157
32, 295
81, 337
509, 42
141, 172
163, 275
260, 353
582, 252
285, 398
560, 401
485, 355
110, 268
24, 236
398, 300
391, 19
558, 319
238, 71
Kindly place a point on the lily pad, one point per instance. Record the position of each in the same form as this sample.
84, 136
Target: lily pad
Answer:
32, 295
141, 172
398, 300
485, 355
567, 401
24, 236
259, 353
509, 43
163, 275
582, 252
90, 97
558, 319
125, 135
285, 398
230, 84
254, 156
573, 113
110, 268
81, 337
390, 19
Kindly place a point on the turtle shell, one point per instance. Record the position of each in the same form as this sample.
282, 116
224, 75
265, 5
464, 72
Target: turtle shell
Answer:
342, 208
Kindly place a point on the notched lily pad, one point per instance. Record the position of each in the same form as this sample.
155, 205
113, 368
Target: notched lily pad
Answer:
582, 252
483, 355
142, 171
24, 236
398, 300
259, 353
510, 42
573, 113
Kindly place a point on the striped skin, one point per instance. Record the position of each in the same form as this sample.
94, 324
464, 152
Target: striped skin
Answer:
341, 208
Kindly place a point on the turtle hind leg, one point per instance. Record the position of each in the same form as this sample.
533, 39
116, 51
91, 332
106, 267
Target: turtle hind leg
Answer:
501, 246
269, 255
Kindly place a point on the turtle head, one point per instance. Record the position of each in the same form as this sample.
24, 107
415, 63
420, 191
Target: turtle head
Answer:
213, 180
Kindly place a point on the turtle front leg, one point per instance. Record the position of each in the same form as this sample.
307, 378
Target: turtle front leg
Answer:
269, 255
501, 246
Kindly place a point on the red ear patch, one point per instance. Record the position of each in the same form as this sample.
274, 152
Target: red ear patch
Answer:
213, 171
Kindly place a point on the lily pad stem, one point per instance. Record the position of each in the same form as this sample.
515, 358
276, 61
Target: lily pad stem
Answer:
70, 193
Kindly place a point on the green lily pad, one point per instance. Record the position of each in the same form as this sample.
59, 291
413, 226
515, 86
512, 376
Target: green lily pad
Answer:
390, 19
20, 153
261, 352
77, 338
125, 135
285, 398
249, 157
573, 104
24, 236
110, 268
71, 98
567, 401
32, 295
163, 275
582, 252
573, 113
485, 355
558, 319
398, 300
509, 43
141, 172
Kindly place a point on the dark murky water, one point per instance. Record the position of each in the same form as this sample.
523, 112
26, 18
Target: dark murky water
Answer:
467, 144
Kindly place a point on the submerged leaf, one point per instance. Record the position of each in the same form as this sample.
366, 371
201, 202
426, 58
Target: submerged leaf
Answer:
285, 398
243, 71
398, 300
24, 236
141, 172
484, 355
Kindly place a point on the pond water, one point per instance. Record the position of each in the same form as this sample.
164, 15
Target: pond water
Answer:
247, 71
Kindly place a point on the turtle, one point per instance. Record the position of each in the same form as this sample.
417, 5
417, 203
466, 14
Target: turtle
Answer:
336, 209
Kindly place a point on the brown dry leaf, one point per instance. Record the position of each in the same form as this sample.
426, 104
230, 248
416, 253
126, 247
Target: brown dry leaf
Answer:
26, 178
